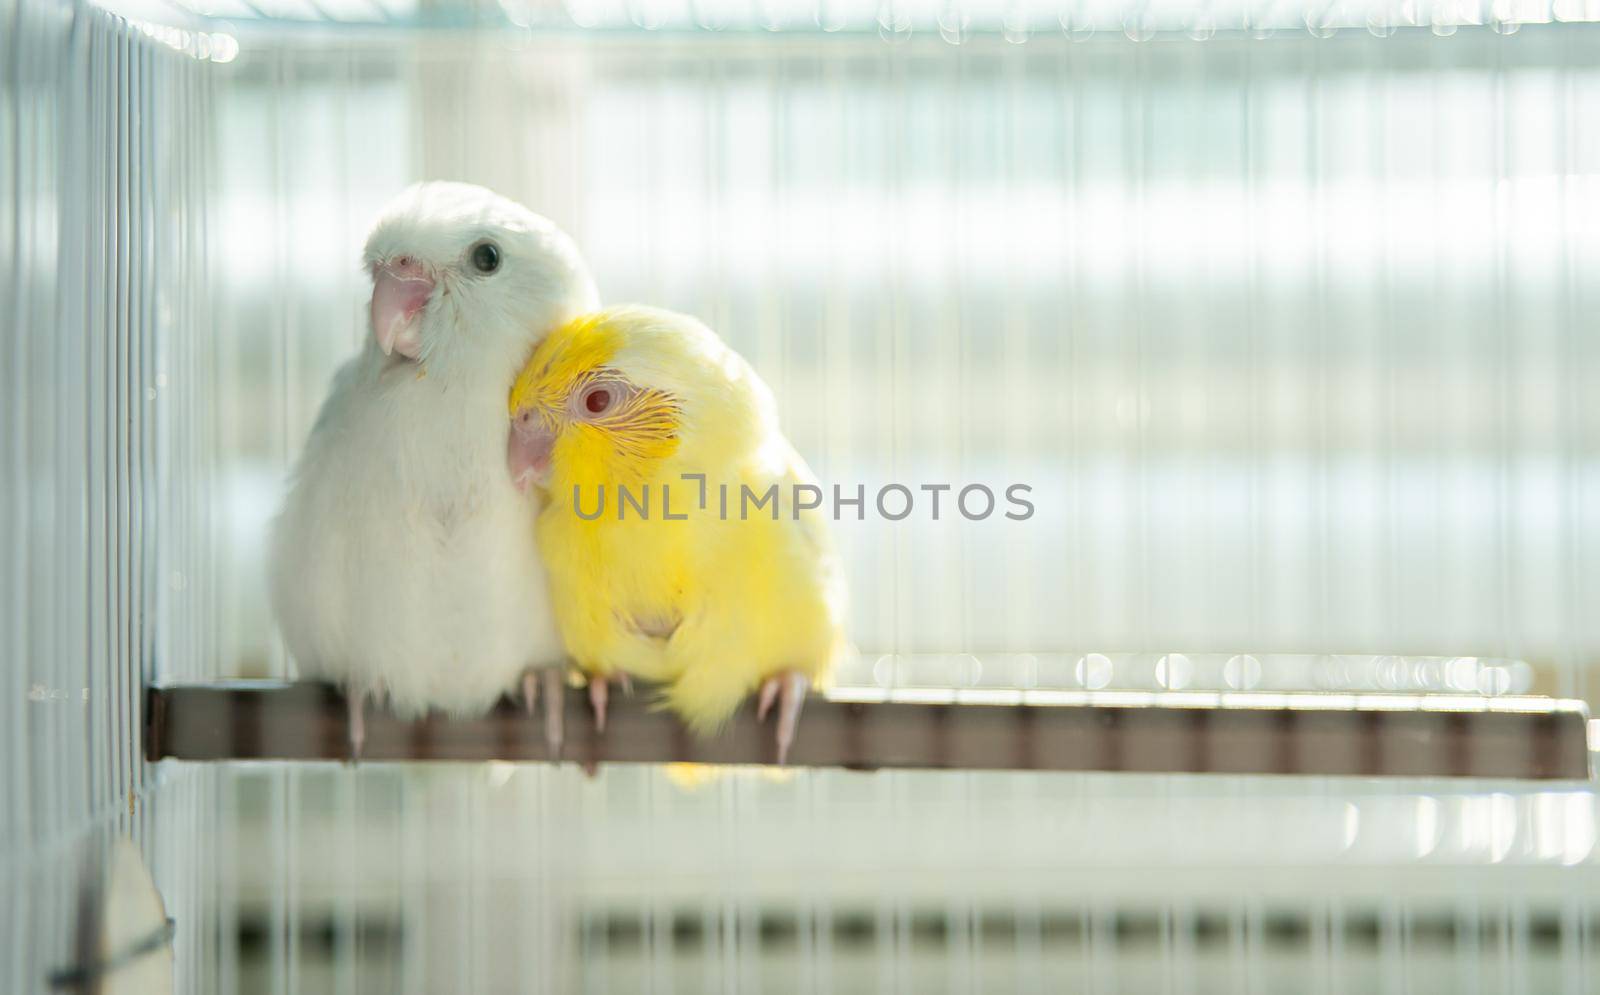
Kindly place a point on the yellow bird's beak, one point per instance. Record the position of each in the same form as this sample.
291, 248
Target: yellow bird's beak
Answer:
528, 448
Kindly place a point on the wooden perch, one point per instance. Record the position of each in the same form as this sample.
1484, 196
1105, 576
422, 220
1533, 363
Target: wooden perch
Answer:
1414, 736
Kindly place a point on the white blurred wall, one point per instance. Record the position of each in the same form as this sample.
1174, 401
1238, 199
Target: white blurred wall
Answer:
1291, 338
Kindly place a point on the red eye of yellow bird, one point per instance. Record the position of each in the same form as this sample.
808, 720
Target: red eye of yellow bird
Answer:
597, 400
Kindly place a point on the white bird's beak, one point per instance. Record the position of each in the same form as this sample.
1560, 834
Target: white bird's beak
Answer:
528, 448
400, 289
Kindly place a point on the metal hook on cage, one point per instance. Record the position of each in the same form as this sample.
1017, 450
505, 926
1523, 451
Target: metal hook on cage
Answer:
1075, 21
1324, 19
1202, 24
82, 977
1136, 24
122, 942
894, 21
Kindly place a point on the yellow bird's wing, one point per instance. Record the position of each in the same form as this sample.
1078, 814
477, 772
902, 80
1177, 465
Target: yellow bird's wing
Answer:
770, 598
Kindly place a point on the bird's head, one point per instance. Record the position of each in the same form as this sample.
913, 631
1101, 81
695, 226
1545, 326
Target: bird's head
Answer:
610, 397
460, 271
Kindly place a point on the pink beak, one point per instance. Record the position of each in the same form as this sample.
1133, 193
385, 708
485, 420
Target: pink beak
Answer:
400, 289
528, 448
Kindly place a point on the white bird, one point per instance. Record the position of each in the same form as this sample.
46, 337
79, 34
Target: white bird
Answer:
403, 562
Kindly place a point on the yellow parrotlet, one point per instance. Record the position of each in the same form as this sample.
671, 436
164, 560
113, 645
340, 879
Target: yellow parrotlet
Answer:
683, 535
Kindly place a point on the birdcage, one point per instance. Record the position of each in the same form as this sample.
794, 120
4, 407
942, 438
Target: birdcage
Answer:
1281, 314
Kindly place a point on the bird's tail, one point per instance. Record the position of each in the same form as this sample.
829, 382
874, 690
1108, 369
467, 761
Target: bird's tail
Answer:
694, 777
706, 696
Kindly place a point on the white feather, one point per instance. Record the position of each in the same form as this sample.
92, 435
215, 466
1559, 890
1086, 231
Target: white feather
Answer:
403, 560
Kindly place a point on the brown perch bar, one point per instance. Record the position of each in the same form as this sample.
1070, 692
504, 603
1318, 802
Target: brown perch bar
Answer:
1276, 734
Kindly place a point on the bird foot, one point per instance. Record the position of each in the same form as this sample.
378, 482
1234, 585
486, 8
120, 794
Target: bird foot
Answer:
599, 697
554, 685
355, 699
600, 694
788, 690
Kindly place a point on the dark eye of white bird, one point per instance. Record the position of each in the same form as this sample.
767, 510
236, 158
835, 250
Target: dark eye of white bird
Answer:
597, 400
486, 257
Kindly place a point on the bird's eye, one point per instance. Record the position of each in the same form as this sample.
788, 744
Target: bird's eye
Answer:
486, 257
597, 400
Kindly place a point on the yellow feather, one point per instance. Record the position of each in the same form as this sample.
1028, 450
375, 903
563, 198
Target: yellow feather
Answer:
748, 598
560, 361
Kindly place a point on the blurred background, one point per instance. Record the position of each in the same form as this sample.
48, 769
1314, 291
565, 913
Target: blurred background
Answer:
1284, 312
1289, 336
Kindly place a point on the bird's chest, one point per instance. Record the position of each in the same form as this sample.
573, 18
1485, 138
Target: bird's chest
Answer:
446, 518
634, 569
444, 471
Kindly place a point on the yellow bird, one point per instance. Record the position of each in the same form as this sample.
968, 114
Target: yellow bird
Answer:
681, 531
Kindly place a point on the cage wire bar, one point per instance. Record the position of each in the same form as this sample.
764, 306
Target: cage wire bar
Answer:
1388, 495
1288, 333
105, 170
1291, 348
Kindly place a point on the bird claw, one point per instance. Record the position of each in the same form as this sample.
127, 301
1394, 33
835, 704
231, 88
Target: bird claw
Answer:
600, 694
553, 680
769, 694
788, 690
530, 691
355, 700
554, 709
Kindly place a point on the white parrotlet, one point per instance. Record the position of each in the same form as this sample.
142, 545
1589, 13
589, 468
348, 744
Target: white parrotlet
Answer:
403, 562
